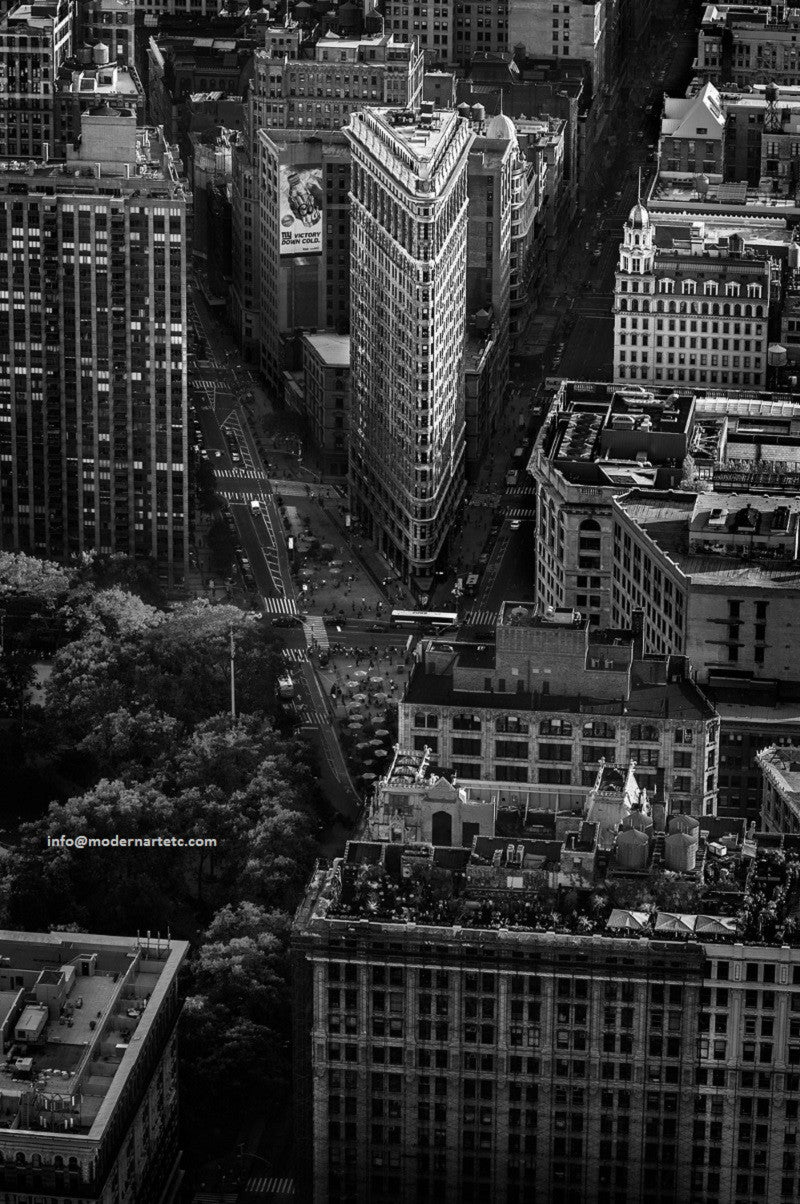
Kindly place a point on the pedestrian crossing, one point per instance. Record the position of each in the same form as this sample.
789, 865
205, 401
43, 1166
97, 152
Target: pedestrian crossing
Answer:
481, 618
518, 489
280, 606
314, 627
263, 1186
313, 718
518, 513
204, 384
296, 655
240, 474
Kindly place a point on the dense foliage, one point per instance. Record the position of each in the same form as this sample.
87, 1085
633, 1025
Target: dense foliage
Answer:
133, 734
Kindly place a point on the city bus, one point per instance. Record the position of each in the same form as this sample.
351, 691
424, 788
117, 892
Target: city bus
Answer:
424, 618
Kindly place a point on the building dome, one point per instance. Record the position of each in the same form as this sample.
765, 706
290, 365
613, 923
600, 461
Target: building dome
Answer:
639, 218
501, 127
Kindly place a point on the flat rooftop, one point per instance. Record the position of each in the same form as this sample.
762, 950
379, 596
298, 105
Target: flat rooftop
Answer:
781, 763
333, 349
78, 1007
681, 192
667, 520
514, 886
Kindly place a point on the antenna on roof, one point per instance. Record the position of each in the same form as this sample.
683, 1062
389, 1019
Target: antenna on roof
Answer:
639, 195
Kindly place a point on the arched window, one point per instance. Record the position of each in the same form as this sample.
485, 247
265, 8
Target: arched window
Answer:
590, 524
710, 288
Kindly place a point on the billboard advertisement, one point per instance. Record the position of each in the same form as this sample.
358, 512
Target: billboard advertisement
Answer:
300, 209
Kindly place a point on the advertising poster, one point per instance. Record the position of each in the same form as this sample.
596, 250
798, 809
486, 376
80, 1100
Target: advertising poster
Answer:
300, 209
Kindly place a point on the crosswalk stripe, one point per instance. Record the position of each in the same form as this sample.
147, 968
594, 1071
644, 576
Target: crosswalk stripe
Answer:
481, 618
315, 631
517, 513
294, 654
280, 606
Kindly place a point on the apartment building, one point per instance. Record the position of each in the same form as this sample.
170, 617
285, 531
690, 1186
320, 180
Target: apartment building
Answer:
36, 38
408, 303
696, 309
549, 698
89, 1077
469, 1030
93, 370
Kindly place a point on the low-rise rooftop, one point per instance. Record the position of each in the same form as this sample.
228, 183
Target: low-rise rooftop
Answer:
721, 539
76, 1011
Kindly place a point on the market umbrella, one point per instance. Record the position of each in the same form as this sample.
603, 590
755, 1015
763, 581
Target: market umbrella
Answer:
368, 777
382, 731
381, 752
359, 698
381, 697
364, 744
376, 681
355, 727
361, 674
376, 743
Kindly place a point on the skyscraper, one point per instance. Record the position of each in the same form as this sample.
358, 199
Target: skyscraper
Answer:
408, 305
94, 440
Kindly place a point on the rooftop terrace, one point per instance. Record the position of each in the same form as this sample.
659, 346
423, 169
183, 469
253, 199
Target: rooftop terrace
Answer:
740, 888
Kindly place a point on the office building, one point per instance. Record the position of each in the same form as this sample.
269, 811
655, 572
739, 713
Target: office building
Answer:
93, 368
110, 22
431, 23
326, 403
695, 309
296, 108
335, 76
747, 44
478, 28
36, 38
468, 1029
301, 276
599, 440
408, 304
549, 697
717, 577
179, 66
89, 1080
572, 30
86, 82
